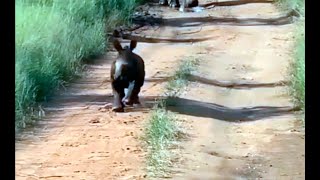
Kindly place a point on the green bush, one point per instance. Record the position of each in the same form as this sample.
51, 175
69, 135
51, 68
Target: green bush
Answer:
52, 37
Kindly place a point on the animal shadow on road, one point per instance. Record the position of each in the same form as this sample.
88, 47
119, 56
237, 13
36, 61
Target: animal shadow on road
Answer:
187, 106
199, 21
216, 111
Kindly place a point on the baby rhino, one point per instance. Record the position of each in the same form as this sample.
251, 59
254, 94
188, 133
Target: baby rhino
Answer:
127, 72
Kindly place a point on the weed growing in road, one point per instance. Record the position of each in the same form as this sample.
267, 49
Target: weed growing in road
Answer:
164, 130
181, 76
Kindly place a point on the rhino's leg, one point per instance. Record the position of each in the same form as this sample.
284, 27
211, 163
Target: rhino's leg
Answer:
118, 94
127, 100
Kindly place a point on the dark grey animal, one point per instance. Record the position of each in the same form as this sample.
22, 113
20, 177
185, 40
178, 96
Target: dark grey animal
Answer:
127, 72
180, 3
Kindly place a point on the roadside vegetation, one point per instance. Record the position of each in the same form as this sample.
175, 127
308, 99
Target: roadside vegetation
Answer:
164, 130
53, 37
297, 72
297, 68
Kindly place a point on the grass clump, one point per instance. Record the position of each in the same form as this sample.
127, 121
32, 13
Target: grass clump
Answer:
52, 39
181, 76
163, 130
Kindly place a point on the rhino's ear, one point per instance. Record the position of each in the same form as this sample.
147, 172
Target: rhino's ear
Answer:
117, 45
133, 44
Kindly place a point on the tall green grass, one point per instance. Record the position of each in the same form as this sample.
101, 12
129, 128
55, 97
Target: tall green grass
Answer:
52, 37
298, 5
297, 70
297, 67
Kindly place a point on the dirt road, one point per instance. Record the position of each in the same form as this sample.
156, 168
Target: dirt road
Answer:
244, 132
